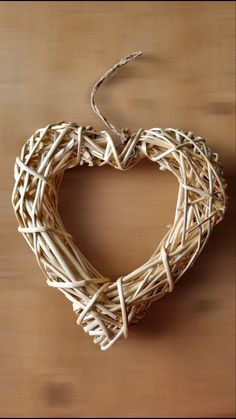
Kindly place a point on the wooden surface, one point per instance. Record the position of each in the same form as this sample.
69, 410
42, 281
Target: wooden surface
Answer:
179, 361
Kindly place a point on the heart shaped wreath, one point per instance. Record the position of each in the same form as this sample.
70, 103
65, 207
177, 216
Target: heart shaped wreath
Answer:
103, 307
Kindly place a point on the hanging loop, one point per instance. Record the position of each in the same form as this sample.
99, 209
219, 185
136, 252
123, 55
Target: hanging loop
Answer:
124, 133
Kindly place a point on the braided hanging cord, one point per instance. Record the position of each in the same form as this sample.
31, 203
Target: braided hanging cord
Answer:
106, 308
122, 62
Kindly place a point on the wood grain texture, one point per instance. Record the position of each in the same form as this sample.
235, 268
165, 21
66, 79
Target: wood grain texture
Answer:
179, 361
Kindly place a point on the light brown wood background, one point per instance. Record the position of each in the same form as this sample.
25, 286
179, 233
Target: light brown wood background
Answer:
179, 361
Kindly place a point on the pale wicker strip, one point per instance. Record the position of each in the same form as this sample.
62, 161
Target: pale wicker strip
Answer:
106, 308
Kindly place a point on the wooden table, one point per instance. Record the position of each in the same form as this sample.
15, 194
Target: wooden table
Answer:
179, 361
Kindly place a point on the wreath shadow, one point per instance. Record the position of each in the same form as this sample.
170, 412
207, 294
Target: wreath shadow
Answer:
178, 309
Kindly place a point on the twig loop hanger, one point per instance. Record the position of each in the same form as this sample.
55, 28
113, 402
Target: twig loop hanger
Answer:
122, 134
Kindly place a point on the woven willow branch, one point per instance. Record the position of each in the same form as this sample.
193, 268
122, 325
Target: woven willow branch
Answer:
105, 308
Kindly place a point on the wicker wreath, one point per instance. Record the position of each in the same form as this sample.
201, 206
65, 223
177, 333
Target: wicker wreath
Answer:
106, 308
